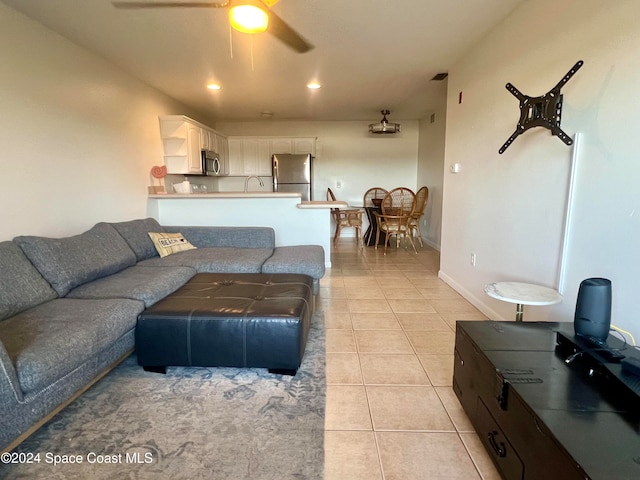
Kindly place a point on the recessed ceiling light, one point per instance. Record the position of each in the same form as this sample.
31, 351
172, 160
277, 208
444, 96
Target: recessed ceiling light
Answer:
313, 86
214, 86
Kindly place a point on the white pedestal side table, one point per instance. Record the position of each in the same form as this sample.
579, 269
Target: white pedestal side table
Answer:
522, 294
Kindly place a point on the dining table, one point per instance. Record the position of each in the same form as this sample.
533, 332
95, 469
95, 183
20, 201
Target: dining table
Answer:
370, 234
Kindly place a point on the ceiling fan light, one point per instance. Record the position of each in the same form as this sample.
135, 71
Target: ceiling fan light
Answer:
248, 17
384, 126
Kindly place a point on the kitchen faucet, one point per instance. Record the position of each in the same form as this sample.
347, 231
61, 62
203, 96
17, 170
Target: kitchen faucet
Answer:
246, 182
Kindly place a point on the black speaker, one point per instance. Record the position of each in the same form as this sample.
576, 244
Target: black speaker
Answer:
593, 308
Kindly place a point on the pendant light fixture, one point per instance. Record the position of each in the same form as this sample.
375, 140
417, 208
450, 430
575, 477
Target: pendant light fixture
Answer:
248, 16
384, 126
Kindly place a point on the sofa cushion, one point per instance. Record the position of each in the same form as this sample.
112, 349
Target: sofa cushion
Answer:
49, 341
146, 284
216, 260
21, 285
239, 237
169, 243
135, 233
72, 261
306, 259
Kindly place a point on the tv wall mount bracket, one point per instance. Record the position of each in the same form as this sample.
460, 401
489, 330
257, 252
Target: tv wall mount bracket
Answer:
544, 111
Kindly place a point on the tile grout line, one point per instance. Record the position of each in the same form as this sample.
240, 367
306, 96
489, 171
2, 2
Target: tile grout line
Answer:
390, 262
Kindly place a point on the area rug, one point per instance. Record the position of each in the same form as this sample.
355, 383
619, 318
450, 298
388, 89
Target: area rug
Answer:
195, 423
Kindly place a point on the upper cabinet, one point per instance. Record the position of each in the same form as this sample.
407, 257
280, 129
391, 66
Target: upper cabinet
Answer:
184, 139
252, 155
222, 144
249, 156
293, 145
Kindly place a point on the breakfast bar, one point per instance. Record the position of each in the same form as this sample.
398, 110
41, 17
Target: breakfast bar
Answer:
295, 222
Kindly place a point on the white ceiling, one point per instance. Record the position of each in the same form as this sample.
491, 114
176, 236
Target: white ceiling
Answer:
368, 55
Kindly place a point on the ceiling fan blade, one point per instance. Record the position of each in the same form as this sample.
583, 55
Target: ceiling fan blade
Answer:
283, 32
135, 5
277, 27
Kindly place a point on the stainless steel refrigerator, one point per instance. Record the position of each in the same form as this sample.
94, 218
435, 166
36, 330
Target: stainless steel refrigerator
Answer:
292, 173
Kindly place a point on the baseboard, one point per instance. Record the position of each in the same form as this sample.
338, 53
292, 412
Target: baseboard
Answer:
471, 298
432, 244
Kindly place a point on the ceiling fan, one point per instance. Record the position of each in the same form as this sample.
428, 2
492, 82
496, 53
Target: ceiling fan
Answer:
259, 14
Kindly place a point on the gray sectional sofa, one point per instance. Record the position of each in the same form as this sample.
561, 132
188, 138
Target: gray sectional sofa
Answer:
69, 306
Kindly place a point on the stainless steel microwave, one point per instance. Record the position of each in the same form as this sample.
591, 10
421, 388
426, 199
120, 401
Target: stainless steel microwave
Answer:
211, 164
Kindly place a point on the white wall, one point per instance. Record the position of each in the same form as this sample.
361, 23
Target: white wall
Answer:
509, 209
347, 153
78, 137
431, 173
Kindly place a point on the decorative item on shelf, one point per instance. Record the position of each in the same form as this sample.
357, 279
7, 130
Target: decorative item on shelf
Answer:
158, 172
544, 111
384, 126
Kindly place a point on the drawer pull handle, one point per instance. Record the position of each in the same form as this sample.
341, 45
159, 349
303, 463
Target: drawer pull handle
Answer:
499, 447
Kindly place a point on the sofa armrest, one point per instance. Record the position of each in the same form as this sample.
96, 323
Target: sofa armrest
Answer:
239, 237
10, 391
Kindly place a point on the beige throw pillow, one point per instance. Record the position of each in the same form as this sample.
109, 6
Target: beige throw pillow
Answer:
169, 243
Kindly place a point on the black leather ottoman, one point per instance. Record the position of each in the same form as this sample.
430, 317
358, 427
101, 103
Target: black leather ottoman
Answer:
229, 320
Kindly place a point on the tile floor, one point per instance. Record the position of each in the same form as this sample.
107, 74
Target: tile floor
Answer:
391, 412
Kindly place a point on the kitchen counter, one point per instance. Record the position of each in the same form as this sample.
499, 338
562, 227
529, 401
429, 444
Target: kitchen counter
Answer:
228, 195
294, 222
322, 204
302, 204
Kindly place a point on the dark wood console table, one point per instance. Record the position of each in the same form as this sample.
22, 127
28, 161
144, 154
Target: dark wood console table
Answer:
540, 417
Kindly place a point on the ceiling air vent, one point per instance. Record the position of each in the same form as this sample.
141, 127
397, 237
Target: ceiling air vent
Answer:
440, 76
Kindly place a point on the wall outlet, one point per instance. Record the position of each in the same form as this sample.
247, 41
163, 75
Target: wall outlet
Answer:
473, 259
338, 184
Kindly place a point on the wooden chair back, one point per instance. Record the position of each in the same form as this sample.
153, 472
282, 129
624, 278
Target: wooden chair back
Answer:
422, 195
371, 194
399, 202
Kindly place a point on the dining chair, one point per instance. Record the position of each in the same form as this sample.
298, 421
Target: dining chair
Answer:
373, 196
396, 209
345, 218
371, 203
422, 196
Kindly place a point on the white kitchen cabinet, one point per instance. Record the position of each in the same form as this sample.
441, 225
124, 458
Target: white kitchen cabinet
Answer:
222, 145
281, 145
183, 140
236, 166
293, 145
263, 158
211, 140
207, 139
252, 155
249, 156
304, 145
